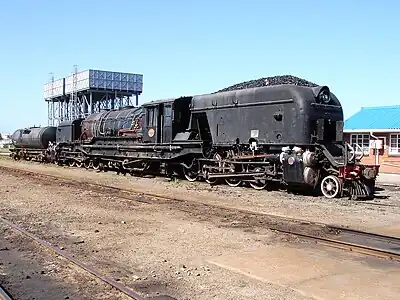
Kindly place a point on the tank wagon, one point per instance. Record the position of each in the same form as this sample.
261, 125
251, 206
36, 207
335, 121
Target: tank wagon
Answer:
34, 143
284, 133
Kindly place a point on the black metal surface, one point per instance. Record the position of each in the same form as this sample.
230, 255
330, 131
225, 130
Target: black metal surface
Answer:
68, 131
34, 137
293, 169
269, 115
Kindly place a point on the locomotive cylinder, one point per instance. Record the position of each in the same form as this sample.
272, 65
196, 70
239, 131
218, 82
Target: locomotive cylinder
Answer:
34, 137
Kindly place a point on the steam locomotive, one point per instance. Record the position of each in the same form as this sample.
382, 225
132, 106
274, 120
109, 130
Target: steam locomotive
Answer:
284, 133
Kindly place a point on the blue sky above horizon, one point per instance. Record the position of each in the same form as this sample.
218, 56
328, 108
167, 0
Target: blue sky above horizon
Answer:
187, 47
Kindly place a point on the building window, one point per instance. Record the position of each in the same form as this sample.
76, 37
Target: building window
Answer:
362, 140
394, 145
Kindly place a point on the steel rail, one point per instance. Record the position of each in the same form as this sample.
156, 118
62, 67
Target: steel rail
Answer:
354, 247
365, 233
333, 242
4, 295
69, 258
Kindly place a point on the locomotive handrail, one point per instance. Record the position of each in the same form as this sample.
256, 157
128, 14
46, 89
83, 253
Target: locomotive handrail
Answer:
352, 151
362, 151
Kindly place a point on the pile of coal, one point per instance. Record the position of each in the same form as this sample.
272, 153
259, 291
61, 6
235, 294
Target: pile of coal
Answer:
269, 81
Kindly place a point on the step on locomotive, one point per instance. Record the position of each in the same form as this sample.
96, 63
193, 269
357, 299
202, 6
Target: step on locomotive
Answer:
284, 133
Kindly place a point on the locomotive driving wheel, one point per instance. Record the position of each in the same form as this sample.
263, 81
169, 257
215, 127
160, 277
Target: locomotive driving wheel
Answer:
331, 186
86, 163
232, 169
95, 164
258, 183
191, 173
218, 158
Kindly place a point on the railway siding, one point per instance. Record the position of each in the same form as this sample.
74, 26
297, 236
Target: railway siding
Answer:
156, 246
29, 271
381, 216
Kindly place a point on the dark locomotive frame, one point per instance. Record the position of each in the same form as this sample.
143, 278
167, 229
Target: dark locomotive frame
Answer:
285, 133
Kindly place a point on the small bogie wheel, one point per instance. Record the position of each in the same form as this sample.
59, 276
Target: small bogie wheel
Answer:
331, 186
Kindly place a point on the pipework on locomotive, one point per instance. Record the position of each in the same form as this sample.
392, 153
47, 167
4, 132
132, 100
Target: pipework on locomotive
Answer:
284, 133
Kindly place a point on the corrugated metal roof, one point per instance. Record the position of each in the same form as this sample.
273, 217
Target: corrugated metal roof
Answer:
378, 117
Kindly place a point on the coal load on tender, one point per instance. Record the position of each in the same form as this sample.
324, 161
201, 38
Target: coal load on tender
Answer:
269, 81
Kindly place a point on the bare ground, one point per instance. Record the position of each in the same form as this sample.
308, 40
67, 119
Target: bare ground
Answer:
149, 247
155, 248
30, 272
355, 214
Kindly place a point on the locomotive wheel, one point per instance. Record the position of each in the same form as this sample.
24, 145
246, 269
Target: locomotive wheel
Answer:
192, 173
232, 181
71, 163
217, 157
86, 164
79, 164
96, 164
259, 184
232, 168
331, 186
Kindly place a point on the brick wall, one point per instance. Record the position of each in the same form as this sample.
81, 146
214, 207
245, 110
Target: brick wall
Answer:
388, 163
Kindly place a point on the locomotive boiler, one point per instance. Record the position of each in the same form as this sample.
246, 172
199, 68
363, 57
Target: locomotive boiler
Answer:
111, 122
286, 133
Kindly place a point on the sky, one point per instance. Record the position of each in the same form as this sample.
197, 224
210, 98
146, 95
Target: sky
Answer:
196, 47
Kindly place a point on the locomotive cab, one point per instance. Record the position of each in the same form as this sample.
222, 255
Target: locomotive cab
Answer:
165, 119
69, 131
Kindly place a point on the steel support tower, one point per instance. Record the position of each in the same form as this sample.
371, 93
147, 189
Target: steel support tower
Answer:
90, 91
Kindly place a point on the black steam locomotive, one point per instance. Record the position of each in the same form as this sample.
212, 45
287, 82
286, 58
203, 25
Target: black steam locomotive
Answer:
284, 133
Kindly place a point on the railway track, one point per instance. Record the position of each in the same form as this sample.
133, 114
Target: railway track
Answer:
330, 235
4, 295
120, 287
